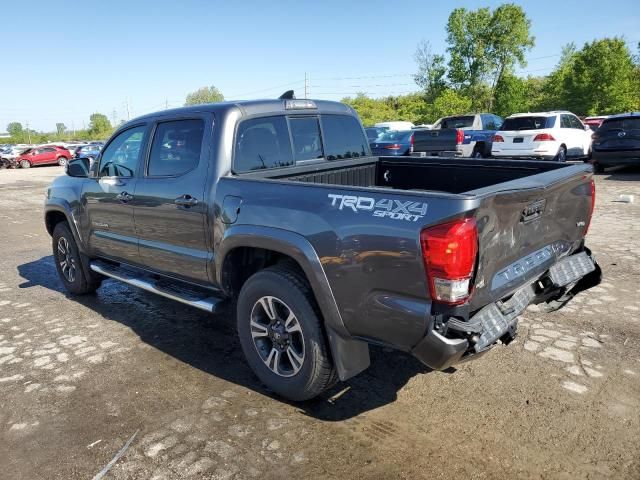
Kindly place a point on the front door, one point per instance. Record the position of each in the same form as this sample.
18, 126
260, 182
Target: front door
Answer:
170, 207
108, 198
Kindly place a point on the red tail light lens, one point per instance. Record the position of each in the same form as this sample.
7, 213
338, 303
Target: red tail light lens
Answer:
459, 137
498, 139
593, 206
395, 146
544, 137
449, 252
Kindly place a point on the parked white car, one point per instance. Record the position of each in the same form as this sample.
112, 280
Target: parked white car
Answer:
546, 135
395, 125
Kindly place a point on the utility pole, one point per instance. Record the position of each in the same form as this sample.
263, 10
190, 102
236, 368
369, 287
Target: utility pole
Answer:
166, 104
126, 102
28, 132
73, 127
113, 118
306, 85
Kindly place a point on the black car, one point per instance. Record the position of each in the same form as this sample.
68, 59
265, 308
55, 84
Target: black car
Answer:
617, 142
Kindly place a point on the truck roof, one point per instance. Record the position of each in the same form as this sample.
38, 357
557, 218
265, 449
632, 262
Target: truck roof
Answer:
258, 107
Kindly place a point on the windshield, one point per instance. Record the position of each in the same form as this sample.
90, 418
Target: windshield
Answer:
527, 123
456, 122
395, 136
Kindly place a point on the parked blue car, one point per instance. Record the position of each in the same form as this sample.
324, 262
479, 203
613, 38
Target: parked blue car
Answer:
393, 143
88, 151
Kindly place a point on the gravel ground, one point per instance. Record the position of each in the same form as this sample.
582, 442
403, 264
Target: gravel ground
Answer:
79, 377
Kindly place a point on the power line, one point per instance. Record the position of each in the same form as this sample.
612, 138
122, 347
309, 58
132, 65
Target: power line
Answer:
299, 82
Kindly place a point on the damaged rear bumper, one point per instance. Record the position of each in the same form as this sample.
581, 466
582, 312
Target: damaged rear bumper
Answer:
461, 339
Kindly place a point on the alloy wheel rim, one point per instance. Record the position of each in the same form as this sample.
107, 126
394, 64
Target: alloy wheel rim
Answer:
66, 261
277, 336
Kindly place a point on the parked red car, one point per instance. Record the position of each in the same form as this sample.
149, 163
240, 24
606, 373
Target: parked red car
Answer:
48, 155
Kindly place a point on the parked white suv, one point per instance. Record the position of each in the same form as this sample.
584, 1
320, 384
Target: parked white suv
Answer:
548, 135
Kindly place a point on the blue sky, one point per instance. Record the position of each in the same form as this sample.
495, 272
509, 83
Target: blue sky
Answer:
62, 61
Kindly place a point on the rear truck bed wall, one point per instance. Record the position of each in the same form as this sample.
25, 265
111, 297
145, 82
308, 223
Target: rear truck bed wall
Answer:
359, 244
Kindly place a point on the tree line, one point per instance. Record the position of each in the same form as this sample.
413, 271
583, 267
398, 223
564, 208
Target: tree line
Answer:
484, 49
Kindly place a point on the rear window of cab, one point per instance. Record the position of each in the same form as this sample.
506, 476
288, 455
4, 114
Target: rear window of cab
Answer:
282, 141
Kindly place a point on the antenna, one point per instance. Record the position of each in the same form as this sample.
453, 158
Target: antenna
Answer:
288, 95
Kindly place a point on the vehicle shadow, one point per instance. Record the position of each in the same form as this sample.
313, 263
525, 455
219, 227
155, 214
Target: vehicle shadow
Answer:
209, 343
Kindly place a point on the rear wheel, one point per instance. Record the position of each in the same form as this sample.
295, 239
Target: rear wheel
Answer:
69, 263
477, 152
561, 156
281, 334
25, 164
62, 161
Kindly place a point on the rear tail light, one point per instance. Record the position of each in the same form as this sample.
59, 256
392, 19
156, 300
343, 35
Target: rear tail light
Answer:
449, 252
411, 142
395, 146
544, 137
593, 205
459, 137
594, 135
498, 139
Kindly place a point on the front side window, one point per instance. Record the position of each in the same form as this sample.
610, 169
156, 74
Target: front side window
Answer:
262, 143
305, 133
343, 137
121, 157
576, 123
176, 148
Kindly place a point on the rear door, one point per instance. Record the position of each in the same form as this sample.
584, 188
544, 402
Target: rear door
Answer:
108, 197
170, 205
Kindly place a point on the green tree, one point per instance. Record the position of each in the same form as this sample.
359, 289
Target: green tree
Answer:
553, 95
602, 79
204, 95
15, 130
449, 102
483, 45
99, 126
371, 110
431, 71
60, 128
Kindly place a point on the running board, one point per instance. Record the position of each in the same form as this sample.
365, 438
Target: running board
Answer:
187, 295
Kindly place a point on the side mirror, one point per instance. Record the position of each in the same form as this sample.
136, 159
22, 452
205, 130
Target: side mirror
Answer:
587, 128
78, 168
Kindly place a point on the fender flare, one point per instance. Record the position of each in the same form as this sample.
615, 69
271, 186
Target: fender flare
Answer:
351, 356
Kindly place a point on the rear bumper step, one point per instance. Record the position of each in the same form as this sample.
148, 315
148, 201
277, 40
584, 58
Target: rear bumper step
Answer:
189, 296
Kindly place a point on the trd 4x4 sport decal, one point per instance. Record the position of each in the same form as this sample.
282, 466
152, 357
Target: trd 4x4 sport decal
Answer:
395, 209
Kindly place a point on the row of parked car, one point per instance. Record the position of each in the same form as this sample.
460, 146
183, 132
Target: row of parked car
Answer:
26, 156
556, 135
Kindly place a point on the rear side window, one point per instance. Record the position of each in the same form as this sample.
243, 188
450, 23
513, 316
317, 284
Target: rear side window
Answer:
305, 133
527, 123
262, 143
565, 121
176, 148
621, 124
457, 122
343, 137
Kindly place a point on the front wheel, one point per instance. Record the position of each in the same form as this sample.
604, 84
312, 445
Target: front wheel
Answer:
281, 334
25, 164
62, 161
69, 263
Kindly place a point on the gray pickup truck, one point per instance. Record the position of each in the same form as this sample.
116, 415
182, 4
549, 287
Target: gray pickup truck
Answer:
278, 205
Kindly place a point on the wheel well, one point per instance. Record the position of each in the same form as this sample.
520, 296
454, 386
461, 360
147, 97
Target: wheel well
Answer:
52, 219
242, 262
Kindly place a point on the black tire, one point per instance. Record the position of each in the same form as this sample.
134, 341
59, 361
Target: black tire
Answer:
285, 285
561, 156
598, 168
65, 252
62, 161
25, 164
477, 152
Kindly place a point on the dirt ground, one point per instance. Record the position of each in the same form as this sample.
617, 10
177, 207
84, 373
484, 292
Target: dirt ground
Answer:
79, 377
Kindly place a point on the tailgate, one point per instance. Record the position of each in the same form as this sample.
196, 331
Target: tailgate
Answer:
525, 229
435, 140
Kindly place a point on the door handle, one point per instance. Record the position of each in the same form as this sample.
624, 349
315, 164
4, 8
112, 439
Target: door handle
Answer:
124, 197
186, 200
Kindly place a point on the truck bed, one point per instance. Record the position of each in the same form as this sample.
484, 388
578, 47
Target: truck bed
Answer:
449, 175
